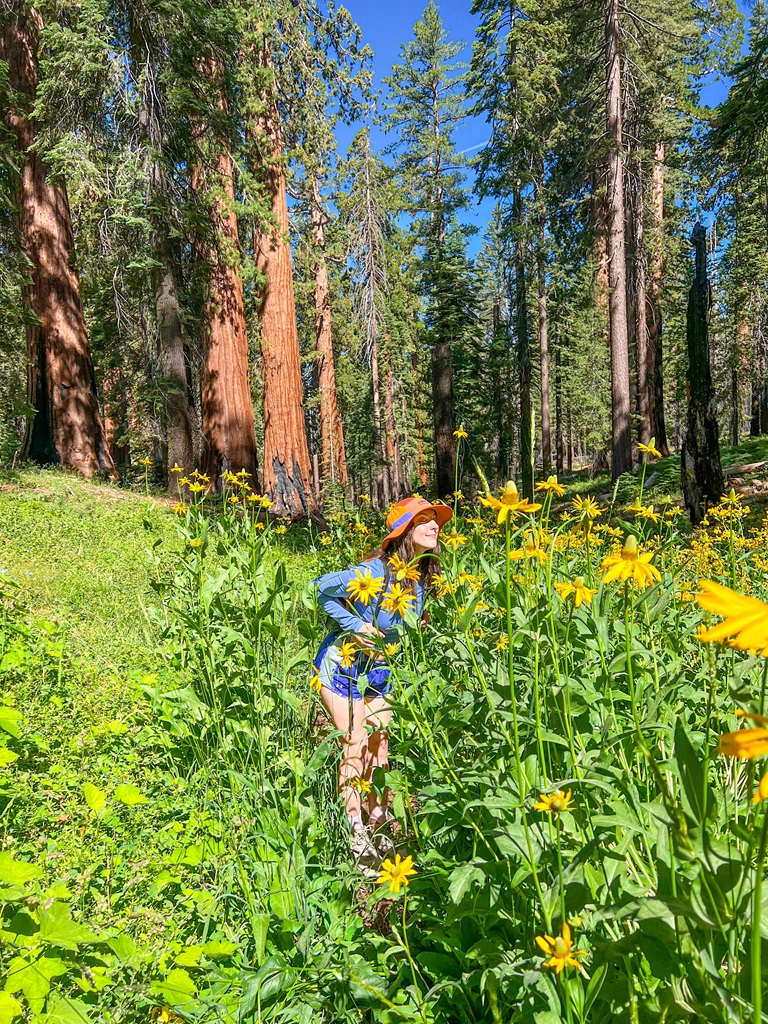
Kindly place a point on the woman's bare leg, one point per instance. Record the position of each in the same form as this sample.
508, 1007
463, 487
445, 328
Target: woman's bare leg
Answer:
354, 746
378, 717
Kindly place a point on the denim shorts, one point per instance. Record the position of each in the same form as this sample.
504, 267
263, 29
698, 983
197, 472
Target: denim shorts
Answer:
363, 678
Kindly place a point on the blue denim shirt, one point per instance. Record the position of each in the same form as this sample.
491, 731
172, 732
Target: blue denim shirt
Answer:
335, 599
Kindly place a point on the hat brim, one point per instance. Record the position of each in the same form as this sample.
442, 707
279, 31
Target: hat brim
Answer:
443, 515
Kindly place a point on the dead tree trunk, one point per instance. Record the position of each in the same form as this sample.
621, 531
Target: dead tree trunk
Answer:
442, 418
333, 459
66, 427
287, 472
701, 471
559, 453
621, 461
656, 270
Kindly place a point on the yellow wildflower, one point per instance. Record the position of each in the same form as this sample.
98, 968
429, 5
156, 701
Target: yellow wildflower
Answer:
396, 874
560, 950
233, 499
509, 504
145, 462
761, 793
196, 487
454, 539
581, 593
175, 469
197, 542
746, 618
364, 587
390, 649
460, 433
314, 681
179, 508
587, 507
630, 564
502, 643
551, 486
650, 449
348, 653
398, 600
554, 803
401, 570
360, 784
282, 528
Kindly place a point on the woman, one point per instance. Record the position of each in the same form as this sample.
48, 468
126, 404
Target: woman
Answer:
367, 605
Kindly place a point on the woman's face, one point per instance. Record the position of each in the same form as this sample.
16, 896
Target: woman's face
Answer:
424, 532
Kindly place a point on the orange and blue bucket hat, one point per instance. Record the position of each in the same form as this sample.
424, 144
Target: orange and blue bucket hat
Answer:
402, 513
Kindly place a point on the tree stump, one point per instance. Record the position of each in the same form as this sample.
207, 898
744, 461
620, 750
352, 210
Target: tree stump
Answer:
700, 468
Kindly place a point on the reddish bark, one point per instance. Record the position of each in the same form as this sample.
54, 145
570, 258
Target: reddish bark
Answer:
333, 459
229, 436
115, 405
287, 473
67, 427
394, 464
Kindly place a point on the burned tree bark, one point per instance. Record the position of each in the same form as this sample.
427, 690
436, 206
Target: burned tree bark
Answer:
66, 428
701, 471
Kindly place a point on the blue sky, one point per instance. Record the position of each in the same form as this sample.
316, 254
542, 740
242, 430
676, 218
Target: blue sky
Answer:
386, 26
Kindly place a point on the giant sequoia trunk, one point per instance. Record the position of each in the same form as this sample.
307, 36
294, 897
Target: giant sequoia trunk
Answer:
656, 270
333, 459
229, 436
66, 427
287, 473
617, 295
701, 471
172, 367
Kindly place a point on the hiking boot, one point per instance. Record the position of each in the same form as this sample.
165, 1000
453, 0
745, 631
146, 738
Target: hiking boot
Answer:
364, 853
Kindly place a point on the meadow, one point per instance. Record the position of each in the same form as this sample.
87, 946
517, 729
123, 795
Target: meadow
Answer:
575, 772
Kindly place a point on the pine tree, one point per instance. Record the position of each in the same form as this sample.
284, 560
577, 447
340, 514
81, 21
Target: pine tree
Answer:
425, 104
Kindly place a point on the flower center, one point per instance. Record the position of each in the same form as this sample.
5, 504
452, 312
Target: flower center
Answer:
561, 948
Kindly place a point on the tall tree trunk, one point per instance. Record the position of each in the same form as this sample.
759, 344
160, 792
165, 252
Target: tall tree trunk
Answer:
735, 421
287, 473
115, 406
701, 471
442, 417
641, 318
558, 414
394, 465
382, 473
656, 269
229, 436
546, 430
421, 447
621, 461
333, 459
172, 365
523, 350
66, 427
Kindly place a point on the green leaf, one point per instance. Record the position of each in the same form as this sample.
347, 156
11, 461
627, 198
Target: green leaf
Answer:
189, 956
94, 797
58, 928
9, 719
461, 878
7, 757
177, 988
698, 797
17, 872
219, 949
130, 796
260, 927
33, 978
122, 946
9, 1008
63, 1010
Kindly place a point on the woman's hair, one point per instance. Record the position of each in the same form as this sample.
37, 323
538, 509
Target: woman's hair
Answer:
428, 563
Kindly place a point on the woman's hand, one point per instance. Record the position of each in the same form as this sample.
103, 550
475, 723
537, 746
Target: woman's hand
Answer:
364, 637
